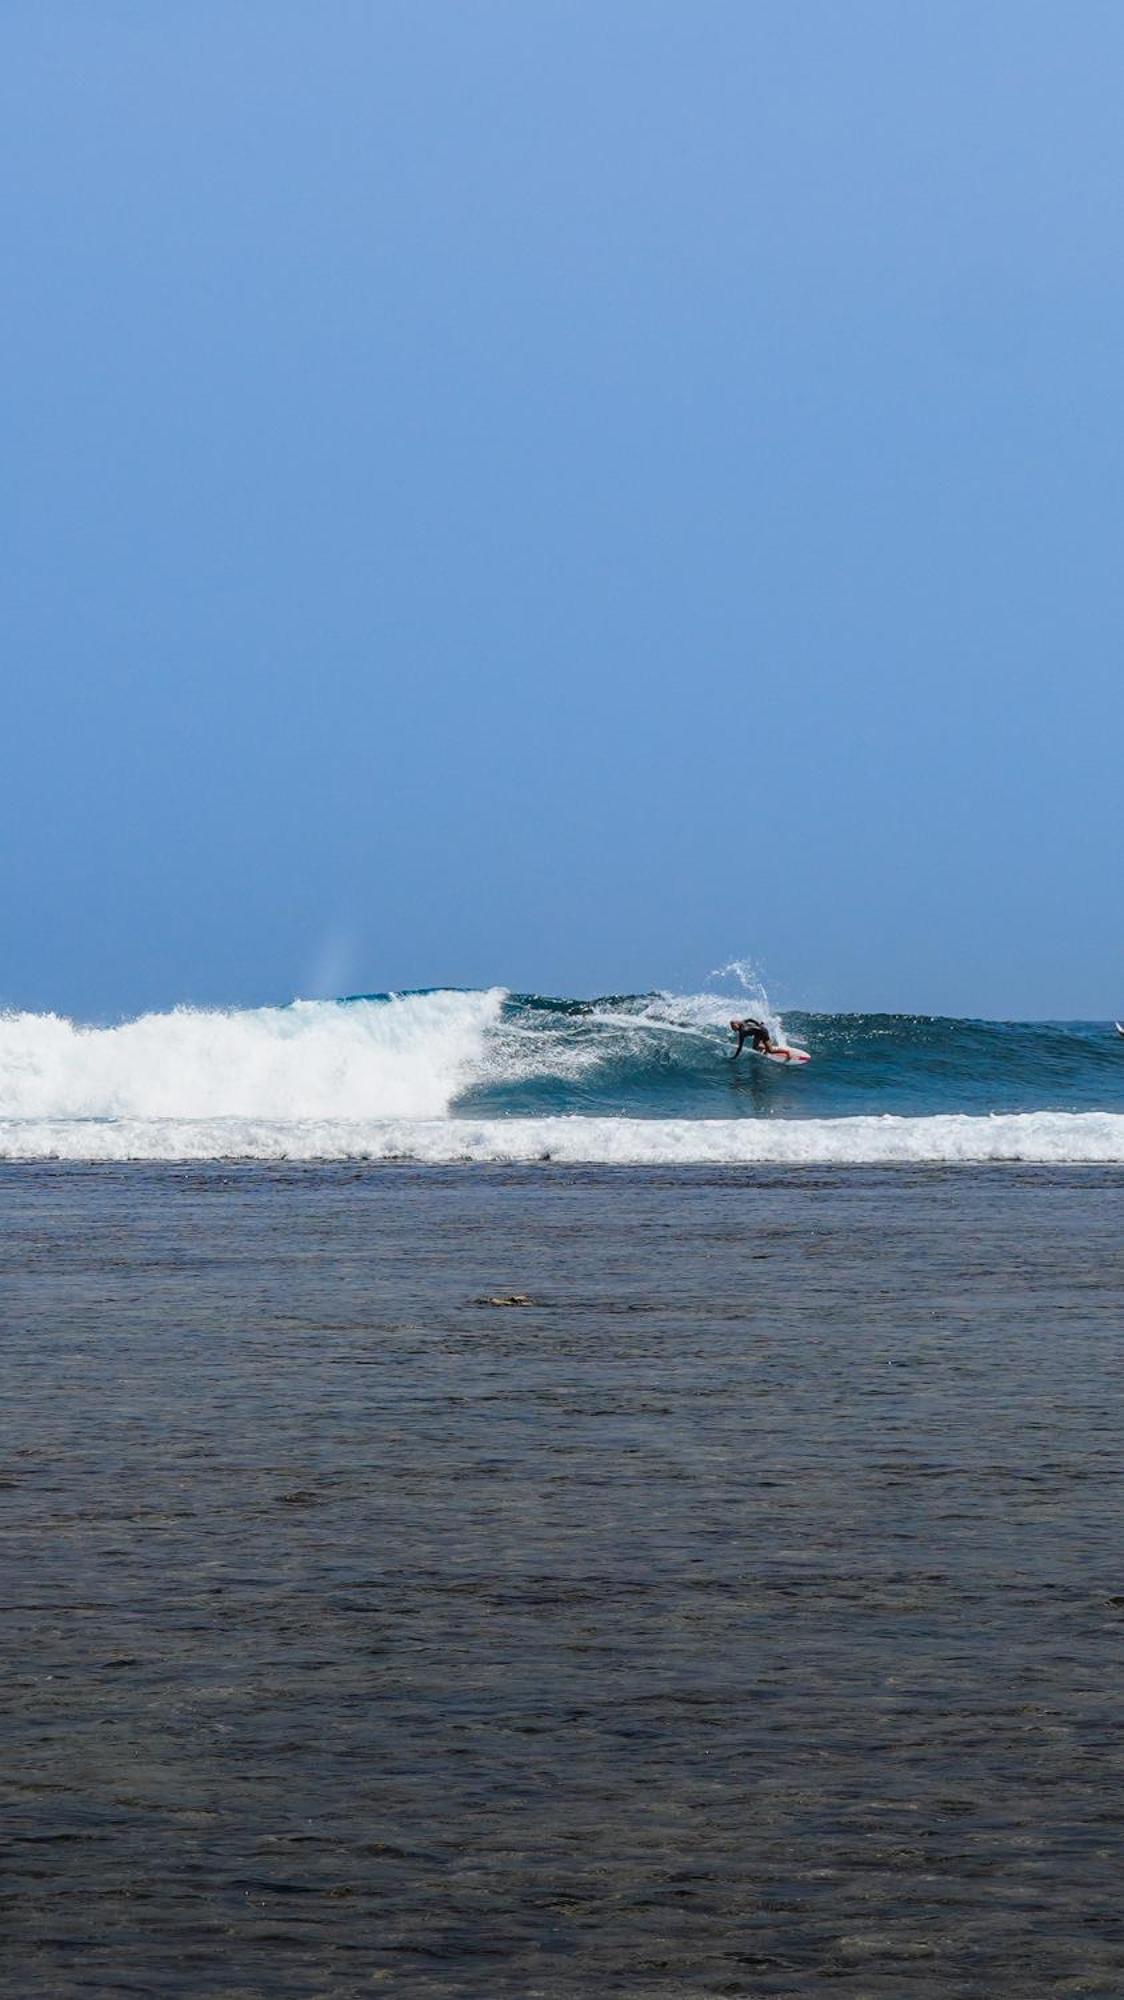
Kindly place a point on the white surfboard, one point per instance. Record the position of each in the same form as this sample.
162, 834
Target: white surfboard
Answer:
785, 1055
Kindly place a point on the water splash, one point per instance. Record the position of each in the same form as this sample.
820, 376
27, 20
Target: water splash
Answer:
751, 986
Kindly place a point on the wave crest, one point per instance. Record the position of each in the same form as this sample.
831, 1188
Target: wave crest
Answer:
406, 1057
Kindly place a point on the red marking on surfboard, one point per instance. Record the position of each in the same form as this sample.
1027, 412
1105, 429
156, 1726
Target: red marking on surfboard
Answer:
784, 1055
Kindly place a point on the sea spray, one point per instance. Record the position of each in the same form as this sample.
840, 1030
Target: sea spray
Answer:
753, 997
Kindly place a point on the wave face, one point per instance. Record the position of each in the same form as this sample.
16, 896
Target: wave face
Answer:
640, 1079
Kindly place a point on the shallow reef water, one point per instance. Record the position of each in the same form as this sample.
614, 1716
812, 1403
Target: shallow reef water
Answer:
515, 1582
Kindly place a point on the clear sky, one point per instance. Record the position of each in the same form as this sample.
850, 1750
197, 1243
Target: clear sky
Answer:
561, 493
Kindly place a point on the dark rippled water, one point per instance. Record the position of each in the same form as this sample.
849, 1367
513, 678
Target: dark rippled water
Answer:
742, 1616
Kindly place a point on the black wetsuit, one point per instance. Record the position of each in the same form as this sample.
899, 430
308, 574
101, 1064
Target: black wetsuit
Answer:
753, 1032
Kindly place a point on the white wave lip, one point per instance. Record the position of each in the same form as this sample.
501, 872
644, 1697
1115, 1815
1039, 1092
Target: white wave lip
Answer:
1046, 1138
407, 1057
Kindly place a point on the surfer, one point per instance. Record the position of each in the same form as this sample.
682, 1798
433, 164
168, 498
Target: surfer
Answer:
758, 1037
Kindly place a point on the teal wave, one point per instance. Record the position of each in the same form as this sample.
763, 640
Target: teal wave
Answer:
647, 1055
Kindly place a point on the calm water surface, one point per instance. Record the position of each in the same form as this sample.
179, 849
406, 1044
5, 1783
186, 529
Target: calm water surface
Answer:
741, 1616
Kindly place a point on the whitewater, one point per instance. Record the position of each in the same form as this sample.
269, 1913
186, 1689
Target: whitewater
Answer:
490, 1076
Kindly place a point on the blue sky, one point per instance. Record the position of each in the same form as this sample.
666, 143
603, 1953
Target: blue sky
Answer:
561, 494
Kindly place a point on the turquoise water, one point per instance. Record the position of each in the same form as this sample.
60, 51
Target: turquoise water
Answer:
645, 1056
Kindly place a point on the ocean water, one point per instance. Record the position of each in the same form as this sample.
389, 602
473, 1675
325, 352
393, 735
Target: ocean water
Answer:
739, 1616
646, 1079
738, 1613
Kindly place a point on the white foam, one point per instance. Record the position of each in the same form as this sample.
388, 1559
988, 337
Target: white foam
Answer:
1039, 1137
408, 1057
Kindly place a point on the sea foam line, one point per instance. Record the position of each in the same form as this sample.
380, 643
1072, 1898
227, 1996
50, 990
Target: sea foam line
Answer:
1037, 1137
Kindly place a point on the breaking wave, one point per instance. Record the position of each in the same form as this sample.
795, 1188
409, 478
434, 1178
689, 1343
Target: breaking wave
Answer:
404, 1058
489, 1076
1043, 1138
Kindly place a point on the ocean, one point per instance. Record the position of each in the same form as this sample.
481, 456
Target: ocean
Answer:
498, 1502
490, 1076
